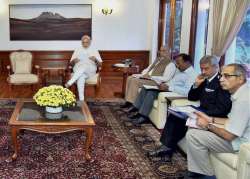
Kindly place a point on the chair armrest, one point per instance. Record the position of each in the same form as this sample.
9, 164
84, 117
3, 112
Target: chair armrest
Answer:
99, 68
37, 70
170, 95
9, 70
184, 102
68, 72
244, 161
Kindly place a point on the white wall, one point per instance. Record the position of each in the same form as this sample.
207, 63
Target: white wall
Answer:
131, 26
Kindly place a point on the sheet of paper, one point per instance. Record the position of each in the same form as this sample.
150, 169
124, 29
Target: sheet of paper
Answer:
150, 87
137, 75
157, 80
191, 122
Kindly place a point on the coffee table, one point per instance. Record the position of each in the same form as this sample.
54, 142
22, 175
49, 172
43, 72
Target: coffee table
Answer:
29, 116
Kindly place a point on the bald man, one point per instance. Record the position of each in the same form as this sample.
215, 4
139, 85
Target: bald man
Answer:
85, 61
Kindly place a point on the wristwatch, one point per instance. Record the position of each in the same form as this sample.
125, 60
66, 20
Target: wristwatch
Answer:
210, 127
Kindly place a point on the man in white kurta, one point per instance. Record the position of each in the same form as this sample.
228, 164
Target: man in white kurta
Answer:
85, 59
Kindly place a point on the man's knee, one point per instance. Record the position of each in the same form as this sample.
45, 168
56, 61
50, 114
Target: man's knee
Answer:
191, 135
152, 94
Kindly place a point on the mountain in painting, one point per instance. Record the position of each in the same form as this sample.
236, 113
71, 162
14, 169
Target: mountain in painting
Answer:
49, 26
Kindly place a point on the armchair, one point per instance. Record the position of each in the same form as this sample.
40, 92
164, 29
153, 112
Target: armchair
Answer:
20, 70
94, 81
158, 114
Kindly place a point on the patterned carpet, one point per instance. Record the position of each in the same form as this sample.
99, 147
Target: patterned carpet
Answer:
118, 150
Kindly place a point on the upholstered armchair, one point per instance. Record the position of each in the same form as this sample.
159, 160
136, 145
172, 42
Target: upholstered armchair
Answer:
94, 81
158, 113
20, 70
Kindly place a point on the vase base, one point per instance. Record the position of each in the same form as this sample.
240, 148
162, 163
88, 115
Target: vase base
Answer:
53, 110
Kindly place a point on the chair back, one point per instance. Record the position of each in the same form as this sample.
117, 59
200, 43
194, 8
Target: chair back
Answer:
21, 62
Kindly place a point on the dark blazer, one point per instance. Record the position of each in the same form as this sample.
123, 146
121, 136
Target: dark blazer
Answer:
214, 101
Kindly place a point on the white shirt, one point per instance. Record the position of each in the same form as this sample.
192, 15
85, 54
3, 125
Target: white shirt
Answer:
83, 55
239, 117
85, 63
182, 81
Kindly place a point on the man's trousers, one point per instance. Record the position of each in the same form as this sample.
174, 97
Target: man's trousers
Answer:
132, 87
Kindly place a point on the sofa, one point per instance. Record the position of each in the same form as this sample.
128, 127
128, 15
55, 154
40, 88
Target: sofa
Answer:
226, 165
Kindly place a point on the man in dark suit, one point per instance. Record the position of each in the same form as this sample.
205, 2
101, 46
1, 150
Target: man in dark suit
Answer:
214, 101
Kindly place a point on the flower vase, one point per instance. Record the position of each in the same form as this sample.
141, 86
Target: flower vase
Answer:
53, 110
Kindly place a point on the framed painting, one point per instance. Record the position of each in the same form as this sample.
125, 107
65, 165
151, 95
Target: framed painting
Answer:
50, 21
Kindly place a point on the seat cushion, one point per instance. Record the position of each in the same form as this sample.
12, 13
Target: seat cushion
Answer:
23, 78
155, 104
93, 79
229, 159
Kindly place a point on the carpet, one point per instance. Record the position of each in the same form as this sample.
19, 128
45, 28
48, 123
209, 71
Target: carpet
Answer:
118, 151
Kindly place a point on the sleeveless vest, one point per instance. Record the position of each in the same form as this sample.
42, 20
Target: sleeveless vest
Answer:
159, 66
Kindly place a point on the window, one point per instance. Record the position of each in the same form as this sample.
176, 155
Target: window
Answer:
170, 24
239, 51
198, 33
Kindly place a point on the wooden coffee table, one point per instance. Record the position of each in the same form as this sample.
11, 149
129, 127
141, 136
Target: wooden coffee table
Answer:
29, 116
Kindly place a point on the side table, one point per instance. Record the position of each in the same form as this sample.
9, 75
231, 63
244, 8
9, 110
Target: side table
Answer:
126, 71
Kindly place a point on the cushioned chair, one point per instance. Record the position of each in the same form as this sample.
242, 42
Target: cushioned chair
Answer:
94, 81
158, 113
20, 70
226, 165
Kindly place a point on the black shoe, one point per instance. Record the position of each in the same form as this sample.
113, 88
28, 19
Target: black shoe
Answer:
167, 157
133, 115
140, 120
126, 105
193, 175
161, 151
129, 110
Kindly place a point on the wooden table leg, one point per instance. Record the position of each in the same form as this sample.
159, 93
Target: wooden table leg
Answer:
89, 140
14, 133
124, 83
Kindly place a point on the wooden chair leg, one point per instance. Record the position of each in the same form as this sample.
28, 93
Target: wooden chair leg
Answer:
97, 90
10, 90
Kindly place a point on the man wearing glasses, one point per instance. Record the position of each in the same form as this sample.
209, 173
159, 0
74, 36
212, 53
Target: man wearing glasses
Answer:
213, 101
85, 60
221, 140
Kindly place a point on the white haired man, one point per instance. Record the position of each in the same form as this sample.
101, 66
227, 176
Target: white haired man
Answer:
85, 60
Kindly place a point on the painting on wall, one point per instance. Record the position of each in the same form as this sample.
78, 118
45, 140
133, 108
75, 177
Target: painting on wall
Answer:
50, 21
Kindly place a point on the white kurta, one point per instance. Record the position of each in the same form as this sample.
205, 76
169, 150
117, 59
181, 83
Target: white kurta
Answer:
84, 69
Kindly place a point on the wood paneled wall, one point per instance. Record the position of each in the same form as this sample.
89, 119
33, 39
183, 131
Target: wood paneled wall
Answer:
44, 58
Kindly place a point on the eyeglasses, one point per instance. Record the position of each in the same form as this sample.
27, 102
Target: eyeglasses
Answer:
227, 76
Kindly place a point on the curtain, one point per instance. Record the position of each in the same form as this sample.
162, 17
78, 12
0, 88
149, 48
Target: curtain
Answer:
228, 16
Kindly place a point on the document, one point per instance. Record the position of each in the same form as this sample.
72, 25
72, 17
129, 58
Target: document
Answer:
137, 75
151, 87
186, 112
157, 80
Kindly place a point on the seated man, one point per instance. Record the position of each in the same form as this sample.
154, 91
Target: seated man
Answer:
85, 60
213, 101
221, 140
161, 69
180, 83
